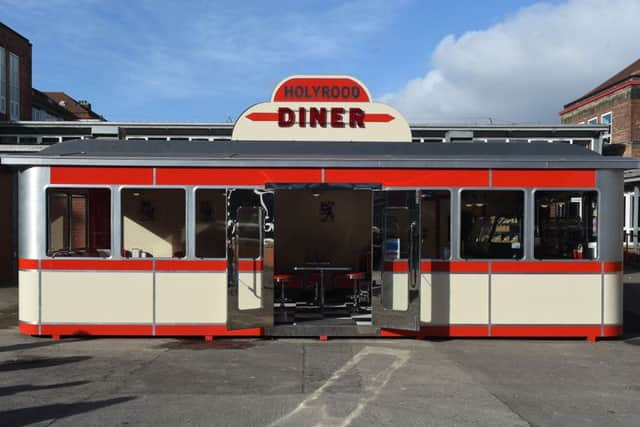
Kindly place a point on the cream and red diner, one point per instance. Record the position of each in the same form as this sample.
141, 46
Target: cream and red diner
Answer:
320, 218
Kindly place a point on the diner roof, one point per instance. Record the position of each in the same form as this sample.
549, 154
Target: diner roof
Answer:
320, 154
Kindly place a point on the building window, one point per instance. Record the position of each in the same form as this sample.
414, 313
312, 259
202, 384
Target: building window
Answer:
153, 223
606, 118
566, 225
435, 220
593, 121
78, 222
491, 225
14, 87
211, 217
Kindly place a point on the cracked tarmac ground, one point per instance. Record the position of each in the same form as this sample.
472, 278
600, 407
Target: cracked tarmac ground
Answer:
303, 382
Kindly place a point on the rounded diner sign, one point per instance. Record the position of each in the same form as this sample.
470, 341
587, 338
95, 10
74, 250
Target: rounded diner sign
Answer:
321, 108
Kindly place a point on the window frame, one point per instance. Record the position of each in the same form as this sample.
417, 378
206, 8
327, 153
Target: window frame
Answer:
593, 120
14, 100
525, 238
194, 206
568, 190
3, 80
185, 189
450, 190
68, 188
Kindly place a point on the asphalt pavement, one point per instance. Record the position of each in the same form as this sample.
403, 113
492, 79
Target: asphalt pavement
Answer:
303, 382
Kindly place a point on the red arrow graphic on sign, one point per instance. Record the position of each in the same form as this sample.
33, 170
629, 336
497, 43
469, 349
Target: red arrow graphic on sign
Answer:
368, 117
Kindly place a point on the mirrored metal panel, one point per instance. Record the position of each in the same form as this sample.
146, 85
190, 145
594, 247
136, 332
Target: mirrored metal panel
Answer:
396, 259
249, 258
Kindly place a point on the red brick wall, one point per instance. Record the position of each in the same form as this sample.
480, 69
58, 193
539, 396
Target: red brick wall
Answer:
7, 270
625, 108
14, 43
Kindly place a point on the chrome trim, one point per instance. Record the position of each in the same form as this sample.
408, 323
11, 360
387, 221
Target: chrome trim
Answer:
32, 212
525, 162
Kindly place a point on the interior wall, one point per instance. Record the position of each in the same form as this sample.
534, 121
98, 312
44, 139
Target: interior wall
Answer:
334, 227
154, 221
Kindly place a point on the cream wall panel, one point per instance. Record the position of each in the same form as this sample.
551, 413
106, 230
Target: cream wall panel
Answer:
97, 297
250, 290
400, 291
454, 298
613, 290
191, 297
545, 299
28, 296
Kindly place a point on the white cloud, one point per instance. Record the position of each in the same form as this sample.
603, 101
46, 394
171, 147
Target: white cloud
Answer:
525, 68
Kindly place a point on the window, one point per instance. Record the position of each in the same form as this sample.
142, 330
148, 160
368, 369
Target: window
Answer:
14, 87
593, 121
606, 118
3, 82
78, 222
491, 225
153, 223
566, 225
211, 223
435, 220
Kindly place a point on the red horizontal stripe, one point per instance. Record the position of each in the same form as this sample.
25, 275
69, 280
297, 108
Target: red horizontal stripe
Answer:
396, 266
101, 175
411, 177
378, 117
512, 331
191, 265
90, 264
570, 331
249, 265
546, 267
27, 328
263, 117
206, 330
455, 266
236, 176
544, 178
27, 264
613, 267
100, 330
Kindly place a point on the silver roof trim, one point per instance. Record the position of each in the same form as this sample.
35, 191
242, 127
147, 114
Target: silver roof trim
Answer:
529, 162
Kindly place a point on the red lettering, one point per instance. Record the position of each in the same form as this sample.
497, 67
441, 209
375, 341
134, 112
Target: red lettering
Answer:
356, 118
317, 117
336, 117
286, 117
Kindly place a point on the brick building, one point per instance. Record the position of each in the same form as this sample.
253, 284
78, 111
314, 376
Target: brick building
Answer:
615, 102
15, 75
58, 106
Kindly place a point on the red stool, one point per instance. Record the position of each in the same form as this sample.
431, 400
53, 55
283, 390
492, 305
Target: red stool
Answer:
356, 277
282, 280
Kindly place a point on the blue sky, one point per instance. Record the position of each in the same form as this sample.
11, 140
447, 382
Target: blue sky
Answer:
454, 61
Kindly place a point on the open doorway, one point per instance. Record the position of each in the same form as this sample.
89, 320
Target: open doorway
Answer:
322, 271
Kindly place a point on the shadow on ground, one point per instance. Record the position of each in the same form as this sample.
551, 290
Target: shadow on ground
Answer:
35, 414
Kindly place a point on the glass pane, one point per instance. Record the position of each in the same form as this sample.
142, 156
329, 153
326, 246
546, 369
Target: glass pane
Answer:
491, 225
248, 232
58, 223
435, 212
210, 223
153, 223
566, 225
79, 222
397, 233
